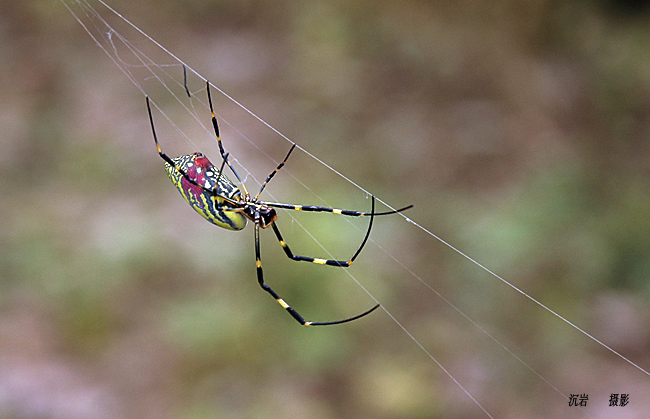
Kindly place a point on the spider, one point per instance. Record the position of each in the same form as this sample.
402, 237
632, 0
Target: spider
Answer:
217, 199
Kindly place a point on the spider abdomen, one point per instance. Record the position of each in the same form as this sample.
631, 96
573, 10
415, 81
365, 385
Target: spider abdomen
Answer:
209, 205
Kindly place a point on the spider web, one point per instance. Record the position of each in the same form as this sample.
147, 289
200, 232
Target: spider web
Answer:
158, 73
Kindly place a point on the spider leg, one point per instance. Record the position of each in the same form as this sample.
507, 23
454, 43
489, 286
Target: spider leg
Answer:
224, 156
312, 208
277, 169
216, 183
183, 173
338, 263
294, 313
187, 90
166, 158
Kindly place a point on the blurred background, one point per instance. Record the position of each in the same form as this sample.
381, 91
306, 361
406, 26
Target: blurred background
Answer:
519, 130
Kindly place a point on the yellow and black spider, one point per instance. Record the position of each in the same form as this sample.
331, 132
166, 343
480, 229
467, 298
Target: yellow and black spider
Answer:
219, 201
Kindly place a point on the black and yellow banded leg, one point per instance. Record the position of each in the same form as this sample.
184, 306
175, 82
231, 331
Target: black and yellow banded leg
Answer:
313, 208
162, 154
277, 169
339, 263
290, 310
167, 159
183, 173
224, 156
